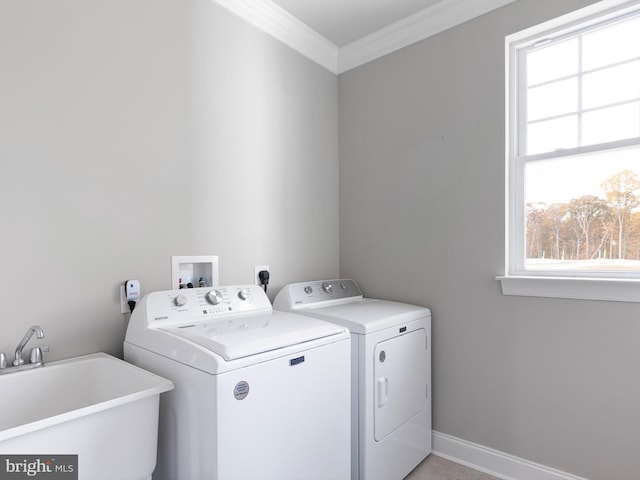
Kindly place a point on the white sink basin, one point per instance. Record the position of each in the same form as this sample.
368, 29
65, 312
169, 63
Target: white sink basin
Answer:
97, 406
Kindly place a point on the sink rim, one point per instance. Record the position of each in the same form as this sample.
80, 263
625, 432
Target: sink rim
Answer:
159, 386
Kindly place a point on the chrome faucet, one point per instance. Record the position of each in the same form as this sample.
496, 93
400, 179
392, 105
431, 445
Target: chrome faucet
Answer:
18, 360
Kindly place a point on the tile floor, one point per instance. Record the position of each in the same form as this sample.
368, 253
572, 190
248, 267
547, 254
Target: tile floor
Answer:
437, 468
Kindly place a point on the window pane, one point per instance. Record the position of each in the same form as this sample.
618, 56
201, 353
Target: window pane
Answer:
551, 135
612, 85
552, 62
583, 213
609, 124
612, 44
552, 99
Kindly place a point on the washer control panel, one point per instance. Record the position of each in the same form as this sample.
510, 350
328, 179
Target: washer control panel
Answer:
176, 307
318, 291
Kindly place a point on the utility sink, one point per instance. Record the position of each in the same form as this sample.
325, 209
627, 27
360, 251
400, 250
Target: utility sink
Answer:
97, 407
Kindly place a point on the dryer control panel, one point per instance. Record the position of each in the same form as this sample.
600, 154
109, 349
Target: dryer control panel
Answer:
316, 292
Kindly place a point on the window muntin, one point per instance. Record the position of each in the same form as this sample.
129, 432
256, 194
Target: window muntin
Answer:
566, 105
576, 117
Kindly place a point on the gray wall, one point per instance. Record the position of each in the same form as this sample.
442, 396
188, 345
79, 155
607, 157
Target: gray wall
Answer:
422, 221
134, 130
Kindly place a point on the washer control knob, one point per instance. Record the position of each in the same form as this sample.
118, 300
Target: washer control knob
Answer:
243, 294
308, 290
214, 297
327, 287
180, 301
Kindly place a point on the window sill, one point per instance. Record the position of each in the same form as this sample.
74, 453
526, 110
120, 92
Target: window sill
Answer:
613, 290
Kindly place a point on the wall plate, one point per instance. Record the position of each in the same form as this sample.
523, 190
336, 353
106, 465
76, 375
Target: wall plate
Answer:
190, 269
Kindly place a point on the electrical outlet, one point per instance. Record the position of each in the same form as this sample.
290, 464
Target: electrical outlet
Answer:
257, 270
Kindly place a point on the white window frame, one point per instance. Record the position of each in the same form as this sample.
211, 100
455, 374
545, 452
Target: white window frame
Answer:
517, 280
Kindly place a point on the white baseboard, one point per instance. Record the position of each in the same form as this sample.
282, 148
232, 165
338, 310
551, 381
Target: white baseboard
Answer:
496, 463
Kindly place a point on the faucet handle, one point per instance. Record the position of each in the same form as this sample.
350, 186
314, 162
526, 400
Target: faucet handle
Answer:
36, 354
3, 360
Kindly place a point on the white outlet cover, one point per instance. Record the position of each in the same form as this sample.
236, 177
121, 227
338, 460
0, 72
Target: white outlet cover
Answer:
124, 305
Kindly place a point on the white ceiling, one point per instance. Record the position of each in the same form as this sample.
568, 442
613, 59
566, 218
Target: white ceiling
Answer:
344, 21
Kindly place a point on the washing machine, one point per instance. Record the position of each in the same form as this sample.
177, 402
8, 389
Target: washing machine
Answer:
259, 394
391, 373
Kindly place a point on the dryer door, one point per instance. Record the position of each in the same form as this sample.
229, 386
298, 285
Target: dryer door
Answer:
400, 374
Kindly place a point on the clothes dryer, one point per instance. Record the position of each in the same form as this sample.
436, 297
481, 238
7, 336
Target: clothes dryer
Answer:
258, 394
390, 377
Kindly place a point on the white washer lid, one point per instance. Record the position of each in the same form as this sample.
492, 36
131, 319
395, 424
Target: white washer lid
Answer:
368, 315
246, 335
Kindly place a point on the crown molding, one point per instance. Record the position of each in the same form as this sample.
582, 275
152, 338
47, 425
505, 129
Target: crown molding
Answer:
277, 22
280, 24
423, 24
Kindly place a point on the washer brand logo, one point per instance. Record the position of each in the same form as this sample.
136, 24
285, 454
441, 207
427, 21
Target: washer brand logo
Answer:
58, 467
296, 361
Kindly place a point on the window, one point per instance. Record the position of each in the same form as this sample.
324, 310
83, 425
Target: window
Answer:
573, 155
